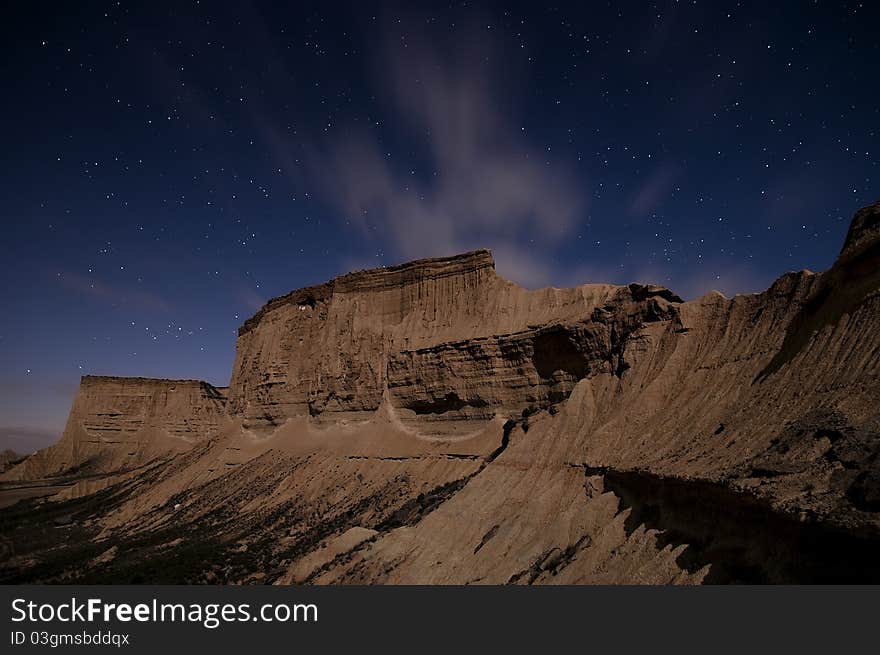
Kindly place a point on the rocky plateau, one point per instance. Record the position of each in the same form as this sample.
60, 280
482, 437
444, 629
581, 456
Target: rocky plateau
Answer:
434, 423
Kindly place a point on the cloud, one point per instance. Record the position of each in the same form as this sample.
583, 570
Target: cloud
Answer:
112, 294
246, 296
478, 182
653, 190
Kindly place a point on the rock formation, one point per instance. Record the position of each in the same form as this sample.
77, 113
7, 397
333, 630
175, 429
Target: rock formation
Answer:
435, 423
444, 339
117, 424
8, 458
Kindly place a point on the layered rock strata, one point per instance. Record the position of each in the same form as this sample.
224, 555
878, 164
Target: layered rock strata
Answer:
119, 423
435, 423
448, 338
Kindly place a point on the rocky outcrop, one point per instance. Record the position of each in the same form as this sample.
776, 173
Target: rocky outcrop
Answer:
325, 348
863, 236
435, 423
524, 371
842, 290
447, 337
118, 423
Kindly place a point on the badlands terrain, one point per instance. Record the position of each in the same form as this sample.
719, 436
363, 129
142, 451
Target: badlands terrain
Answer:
434, 423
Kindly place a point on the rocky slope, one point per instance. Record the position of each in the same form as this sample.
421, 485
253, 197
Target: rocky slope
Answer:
435, 423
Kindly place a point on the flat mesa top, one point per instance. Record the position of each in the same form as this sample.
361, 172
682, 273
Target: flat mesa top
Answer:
97, 379
377, 278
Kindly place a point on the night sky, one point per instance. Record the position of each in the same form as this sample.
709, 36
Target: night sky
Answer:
168, 168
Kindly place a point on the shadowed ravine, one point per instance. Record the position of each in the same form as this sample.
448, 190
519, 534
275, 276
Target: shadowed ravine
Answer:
740, 537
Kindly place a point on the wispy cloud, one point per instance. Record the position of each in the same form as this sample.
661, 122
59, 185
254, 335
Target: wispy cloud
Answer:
114, 295
246, 296
653, 190
480, 182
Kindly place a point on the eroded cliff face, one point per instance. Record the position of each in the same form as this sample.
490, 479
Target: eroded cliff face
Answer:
434, 423
120, 423
445, 340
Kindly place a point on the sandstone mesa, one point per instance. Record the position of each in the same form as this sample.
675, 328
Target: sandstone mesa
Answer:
435, 423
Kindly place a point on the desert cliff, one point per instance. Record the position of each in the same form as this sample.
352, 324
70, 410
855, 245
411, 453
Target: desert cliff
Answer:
120, 423
435, 423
